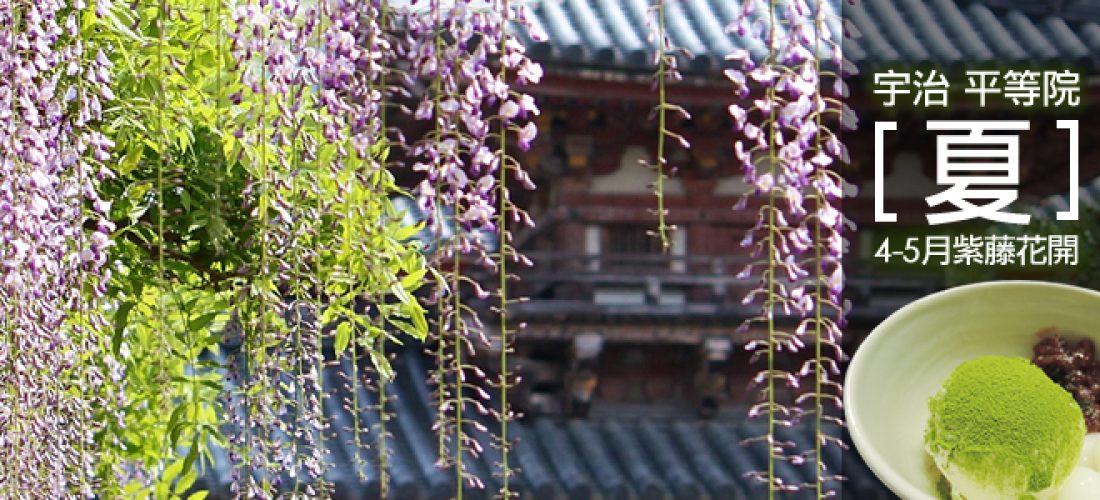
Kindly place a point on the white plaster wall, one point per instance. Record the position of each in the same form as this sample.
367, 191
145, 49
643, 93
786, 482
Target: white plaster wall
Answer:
632, 177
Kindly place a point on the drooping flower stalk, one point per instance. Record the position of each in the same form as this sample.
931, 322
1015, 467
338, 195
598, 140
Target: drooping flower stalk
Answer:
439, 61
156, 336
99, 374
788, 131
667, 70
52, 273
307, 430
775, 179
279, 136
332, 58
827, 222
362, 54
381, 44
160, 307
504, 381
354, 68
514, 113
452, 48
267, 45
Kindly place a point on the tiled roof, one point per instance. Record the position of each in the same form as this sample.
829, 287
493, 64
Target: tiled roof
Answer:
613, 458
613, 33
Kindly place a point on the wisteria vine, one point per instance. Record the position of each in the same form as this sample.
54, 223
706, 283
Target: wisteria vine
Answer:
54, 232
315, 139
789, 153
353, 69
465, 194
278, 131
312, 83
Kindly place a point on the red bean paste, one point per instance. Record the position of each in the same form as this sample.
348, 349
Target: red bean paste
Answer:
1072, 365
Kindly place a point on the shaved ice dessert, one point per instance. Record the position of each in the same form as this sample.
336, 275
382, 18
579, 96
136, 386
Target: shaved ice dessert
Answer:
1001, 429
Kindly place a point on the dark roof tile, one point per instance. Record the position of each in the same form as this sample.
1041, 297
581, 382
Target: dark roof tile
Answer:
676, 471
613, 458
615, 33
723, 483
603, 465
561, 459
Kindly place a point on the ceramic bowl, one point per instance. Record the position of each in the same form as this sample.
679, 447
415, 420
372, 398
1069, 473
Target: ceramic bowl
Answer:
905, 360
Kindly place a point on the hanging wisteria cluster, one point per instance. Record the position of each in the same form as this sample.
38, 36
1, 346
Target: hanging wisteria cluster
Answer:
280, 382
789, 154
324, 272
515, 111
354, 63
317, 82
473, 111
53, 239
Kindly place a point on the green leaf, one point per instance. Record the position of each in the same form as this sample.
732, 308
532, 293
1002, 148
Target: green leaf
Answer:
413, 279
138, 209
198, 495
185, 199
173, 471
202, 322
407, 328
122, 315
133, 156
187, 480
343, 336
416, 314
399, 291
405, 233
189, 474
182, 270
385, 371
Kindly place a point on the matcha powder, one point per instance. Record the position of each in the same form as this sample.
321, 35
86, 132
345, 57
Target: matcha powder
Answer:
1006, 425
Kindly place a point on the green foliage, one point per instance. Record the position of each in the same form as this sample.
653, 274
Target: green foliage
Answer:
189, 201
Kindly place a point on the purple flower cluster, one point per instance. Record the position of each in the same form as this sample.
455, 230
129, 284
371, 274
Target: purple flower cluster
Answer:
515, 115
465, 165
53, 243
450, 48
318, 80
789, 154
277, 64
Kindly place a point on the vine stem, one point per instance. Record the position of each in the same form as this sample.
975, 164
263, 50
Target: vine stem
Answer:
318, 326
820, 277
161, 278
383, 417
383, 414
440, 370
265, 193
769, 304
662, 131
502, 258
17, 414
83, 321
296, 315
459, 328
12, 390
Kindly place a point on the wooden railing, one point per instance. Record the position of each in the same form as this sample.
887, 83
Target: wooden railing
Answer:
678, 285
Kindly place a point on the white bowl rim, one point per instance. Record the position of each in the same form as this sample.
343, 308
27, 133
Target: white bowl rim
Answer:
874, 460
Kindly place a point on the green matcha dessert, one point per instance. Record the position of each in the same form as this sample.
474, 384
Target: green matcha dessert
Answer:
1001, 429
